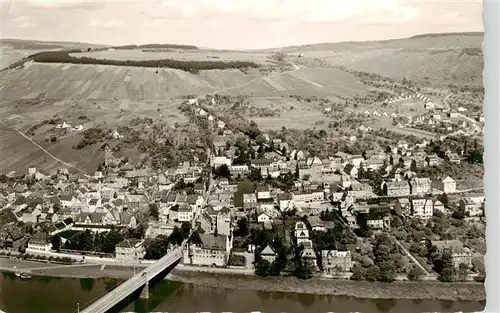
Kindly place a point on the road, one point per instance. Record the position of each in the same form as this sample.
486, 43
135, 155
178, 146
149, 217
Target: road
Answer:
43, 149
408, 254
445, 102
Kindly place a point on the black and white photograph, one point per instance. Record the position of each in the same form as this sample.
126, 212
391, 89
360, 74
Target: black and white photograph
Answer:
243, 156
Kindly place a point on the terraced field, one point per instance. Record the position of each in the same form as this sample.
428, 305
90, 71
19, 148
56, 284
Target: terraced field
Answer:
69, 81
102, 82
321, 82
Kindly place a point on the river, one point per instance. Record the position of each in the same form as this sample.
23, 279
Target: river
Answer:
61, 295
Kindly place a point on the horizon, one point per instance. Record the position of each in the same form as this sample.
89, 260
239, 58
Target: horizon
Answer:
220, 25
466, 33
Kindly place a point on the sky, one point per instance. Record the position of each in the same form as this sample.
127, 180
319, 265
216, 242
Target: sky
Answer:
234, 24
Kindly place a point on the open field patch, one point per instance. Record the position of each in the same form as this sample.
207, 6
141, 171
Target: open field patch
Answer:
290, 119
293, 113
18, 153
180, 55
329, 82
105, 82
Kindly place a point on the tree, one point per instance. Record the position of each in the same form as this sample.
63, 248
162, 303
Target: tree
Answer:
263, 268
358, 273
372, 273
413, 166
56, 243
186, 229
445, 267
279, 263
303, 269
243, 226
110, 241
415, 273
153, 211
475, 156
223, 171
462, 272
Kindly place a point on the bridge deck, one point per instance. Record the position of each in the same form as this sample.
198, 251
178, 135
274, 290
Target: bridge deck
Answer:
140, 279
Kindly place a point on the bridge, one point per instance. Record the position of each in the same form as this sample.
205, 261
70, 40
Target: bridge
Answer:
140, 280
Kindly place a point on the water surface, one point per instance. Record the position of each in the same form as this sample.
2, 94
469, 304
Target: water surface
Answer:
61, 295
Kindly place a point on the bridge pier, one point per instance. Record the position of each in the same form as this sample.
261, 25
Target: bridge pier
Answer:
145, 291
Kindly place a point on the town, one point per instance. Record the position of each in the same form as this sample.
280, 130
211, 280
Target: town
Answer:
259, 205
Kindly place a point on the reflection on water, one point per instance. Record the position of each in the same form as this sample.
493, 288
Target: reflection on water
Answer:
58, 295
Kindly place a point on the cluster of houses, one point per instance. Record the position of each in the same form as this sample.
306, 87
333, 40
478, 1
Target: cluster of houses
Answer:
65, 125
61, 201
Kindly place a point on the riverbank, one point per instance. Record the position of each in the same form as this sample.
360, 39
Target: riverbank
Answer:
235, 280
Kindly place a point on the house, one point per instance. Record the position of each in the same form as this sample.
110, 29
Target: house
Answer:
221, 124
185, 213
360, 190
285, 201
375, 219
116, 135
156, 229
420, 186
263, 192
452, 158
403, 207
130, 250
471, 207
221, 160
448, 185
301, 233
316, 223
14, 240
433, 160
263, 218
459, 253
268, 254
309, 255
223, 222
351, 170
206, 223
39, 243
213, 251
398, 188
422, 208
439, 207
334, 261
249, 198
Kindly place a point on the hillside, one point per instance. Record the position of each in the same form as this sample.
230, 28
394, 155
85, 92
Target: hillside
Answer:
14, 50
443, 58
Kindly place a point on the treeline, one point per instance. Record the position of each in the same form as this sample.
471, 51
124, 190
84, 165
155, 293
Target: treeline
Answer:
447, 34
156, 46
188, 66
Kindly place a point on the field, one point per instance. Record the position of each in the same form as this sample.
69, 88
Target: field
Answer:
18, 153
294, 114
175, 54
105, 82
14, 50
450, 58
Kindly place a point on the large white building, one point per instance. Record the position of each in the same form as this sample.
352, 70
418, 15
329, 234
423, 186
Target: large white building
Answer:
130, 250
449, 185
39, 243
214, 250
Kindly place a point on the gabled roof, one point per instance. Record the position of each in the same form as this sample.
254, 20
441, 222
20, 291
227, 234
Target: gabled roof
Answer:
448, 179
268, 251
